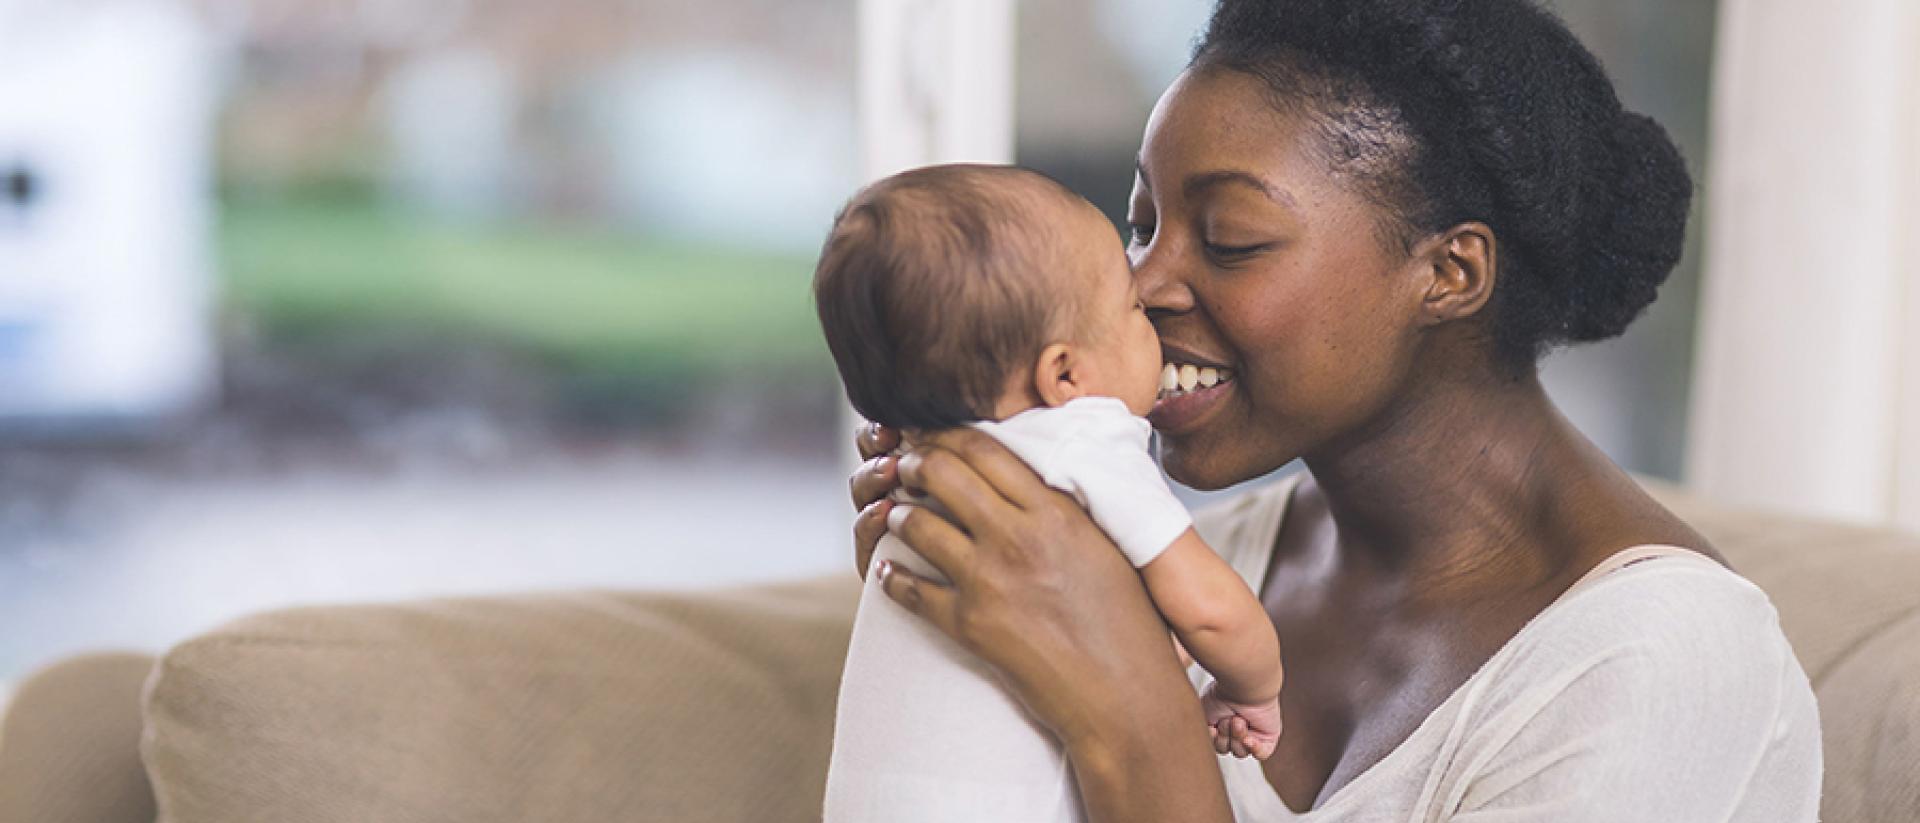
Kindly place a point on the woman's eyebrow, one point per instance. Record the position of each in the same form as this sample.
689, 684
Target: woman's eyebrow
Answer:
1206, 180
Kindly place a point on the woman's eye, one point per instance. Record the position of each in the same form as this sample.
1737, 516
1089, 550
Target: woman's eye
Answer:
1231, 252
1140, 233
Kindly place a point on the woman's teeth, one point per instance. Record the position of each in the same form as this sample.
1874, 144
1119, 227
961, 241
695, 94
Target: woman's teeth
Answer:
1179, 378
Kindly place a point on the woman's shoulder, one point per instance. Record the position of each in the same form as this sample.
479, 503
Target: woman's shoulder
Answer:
1664, 631
1629, 683
1672, 604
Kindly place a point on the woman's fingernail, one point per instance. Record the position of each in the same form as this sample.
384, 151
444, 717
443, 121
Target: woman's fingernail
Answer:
885, 568
897, 516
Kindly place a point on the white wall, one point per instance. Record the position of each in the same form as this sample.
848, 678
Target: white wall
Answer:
105, 282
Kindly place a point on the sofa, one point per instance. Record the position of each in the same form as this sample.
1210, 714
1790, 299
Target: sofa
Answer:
711, 707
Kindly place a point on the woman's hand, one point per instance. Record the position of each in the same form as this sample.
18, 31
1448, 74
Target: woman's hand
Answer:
871, 483
1039, 593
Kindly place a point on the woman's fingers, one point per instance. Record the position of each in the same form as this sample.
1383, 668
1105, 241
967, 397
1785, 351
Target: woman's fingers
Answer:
934, 539
995, 463
919, 595
974, 503
874, 480
868, 528
873, 440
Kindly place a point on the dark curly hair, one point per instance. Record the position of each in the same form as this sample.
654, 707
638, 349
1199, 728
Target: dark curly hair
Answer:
1448, 111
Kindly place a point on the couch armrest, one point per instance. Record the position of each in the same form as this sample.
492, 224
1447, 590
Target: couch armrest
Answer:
712, 706
70, 743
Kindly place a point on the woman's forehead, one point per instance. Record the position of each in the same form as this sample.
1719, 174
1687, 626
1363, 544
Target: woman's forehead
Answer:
1221, 124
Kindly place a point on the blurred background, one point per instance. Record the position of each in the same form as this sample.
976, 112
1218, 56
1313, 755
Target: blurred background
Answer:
334, 300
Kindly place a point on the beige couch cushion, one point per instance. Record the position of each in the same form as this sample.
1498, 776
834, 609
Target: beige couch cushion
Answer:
571, 708
68, 744
697, 707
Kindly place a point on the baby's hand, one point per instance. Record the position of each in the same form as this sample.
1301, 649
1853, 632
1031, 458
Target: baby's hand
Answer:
1241, 728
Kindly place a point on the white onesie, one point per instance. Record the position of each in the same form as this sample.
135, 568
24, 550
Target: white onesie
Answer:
924, 731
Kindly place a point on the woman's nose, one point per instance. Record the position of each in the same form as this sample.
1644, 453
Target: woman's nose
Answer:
1161, 290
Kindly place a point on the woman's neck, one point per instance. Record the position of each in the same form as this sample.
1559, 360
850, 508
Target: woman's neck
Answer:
1455, 486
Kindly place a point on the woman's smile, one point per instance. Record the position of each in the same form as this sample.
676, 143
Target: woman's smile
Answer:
1191, 388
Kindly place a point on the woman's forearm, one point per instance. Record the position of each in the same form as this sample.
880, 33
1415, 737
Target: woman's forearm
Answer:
1152, 766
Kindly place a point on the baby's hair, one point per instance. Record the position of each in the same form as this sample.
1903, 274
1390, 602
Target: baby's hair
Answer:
931, 293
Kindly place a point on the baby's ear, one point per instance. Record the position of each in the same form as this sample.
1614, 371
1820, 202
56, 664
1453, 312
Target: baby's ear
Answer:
1056, 376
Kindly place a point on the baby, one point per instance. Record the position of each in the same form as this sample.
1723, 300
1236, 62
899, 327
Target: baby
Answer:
995, 297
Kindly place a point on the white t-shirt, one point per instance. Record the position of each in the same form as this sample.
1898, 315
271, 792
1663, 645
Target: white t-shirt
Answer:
1661, 692
924, 730
1096, 450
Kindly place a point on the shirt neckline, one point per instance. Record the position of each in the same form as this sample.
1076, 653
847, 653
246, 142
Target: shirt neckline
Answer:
1282, 500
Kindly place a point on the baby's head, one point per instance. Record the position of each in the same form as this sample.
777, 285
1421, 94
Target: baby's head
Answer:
958, 293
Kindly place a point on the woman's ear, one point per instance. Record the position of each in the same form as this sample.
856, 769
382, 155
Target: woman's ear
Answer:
1461, 267
1056, 377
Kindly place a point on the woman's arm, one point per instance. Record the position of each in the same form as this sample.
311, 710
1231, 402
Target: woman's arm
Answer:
1041, 594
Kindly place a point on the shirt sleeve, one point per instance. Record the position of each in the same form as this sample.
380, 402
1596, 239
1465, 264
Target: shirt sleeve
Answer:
1689, 721
1124, 492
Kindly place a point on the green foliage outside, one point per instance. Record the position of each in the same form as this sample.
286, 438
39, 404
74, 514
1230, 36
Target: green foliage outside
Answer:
588, 301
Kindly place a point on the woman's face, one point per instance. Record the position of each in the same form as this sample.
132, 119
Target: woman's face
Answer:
1256, 259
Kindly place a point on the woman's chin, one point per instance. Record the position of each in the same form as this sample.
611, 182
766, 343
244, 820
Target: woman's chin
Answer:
1191, 469
1210, 464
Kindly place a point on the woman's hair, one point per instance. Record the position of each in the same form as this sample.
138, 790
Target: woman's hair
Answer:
1448, 111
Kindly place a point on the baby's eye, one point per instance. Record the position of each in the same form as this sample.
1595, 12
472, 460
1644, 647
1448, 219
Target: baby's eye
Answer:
1140, 233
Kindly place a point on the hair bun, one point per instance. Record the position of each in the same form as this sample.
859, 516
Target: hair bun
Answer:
1637, 236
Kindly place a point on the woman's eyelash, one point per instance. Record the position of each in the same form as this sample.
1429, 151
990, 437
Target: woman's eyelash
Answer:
1140, 233
1235, 251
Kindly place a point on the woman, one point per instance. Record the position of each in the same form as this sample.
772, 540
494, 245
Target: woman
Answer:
1377, 215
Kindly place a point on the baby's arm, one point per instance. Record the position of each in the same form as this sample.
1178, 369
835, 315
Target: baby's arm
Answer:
1217, 618
1221, 623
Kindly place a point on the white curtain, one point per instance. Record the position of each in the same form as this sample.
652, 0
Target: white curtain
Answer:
936, 83
1807, 388
936, 86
